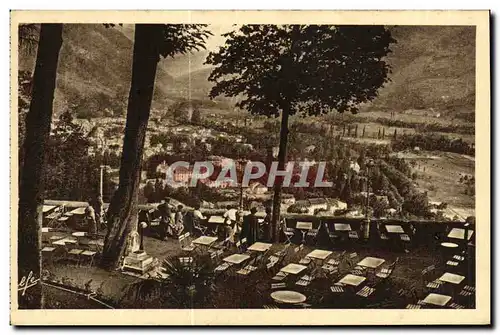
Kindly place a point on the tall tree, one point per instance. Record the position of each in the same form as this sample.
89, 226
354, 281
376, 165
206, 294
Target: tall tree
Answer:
31, 186
312, 69
150, 42
196, 116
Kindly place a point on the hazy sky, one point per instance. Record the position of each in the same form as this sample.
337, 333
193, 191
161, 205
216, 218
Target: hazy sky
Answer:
217, 40
212, 43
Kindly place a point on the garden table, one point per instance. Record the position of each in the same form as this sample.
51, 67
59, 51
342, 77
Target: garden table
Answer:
437, 299
288, 297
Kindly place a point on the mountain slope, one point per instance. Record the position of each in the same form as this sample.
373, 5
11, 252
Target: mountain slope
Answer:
432, 67
95, 63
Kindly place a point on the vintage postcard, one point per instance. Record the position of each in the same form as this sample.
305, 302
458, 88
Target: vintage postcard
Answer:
250, 168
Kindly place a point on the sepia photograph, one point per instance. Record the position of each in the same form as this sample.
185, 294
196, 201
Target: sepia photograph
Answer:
247, 169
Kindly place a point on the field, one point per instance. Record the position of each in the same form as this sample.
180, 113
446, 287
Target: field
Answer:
439, 174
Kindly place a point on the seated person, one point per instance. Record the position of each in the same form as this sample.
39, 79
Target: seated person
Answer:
166, 218
197, 217
265, 226
176, 227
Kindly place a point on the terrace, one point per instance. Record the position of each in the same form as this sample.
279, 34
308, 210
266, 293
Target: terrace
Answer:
319, 263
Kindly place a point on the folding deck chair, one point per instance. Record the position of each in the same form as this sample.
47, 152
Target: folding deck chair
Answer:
186, 244
386, 272
313, 235
287, 232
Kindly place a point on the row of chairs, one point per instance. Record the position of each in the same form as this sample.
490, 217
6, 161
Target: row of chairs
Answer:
311, 236
81, 252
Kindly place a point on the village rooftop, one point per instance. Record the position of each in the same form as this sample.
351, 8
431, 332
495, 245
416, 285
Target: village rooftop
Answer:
251, 170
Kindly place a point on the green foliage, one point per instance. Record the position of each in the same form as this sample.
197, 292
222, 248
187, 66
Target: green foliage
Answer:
182, 38
72, 173
297, 208
87, 107
299, 66
196, 116
417, 204
23, 104
186, 286
433, 142
28, 37
427, 126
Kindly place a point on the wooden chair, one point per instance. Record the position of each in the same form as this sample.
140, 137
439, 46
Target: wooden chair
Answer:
244, 243
238, 246
74, 254
271, 262
336, 288
276, 286
383, 236
282, 253
313, 235
222, 268
247, 269
386, 272
215, 256
96, 245
353, 235
359, 270
298, 248
270, 307
305, 280
90, 255
332, 235
54, 216
185, 243
405, 237
55, 238
186, 261
287, 232
365, 292
352, 256
198, 227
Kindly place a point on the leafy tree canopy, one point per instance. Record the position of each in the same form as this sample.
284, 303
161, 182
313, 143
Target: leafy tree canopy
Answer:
178, 38
307, 68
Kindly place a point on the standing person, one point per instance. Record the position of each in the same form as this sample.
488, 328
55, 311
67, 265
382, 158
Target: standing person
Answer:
165, 209
90, 219
250, 228
230, 215
158, 191
239, 221
267, 225
99, 212
229, 222
179, 221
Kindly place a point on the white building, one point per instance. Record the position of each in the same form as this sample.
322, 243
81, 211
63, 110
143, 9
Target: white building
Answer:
335, 205
257, 188
317, 204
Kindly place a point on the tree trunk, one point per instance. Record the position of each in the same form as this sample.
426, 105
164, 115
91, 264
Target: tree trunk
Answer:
31, 183
122, 214
279, 181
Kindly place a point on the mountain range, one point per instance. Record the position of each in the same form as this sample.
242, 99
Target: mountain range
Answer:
432, 67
